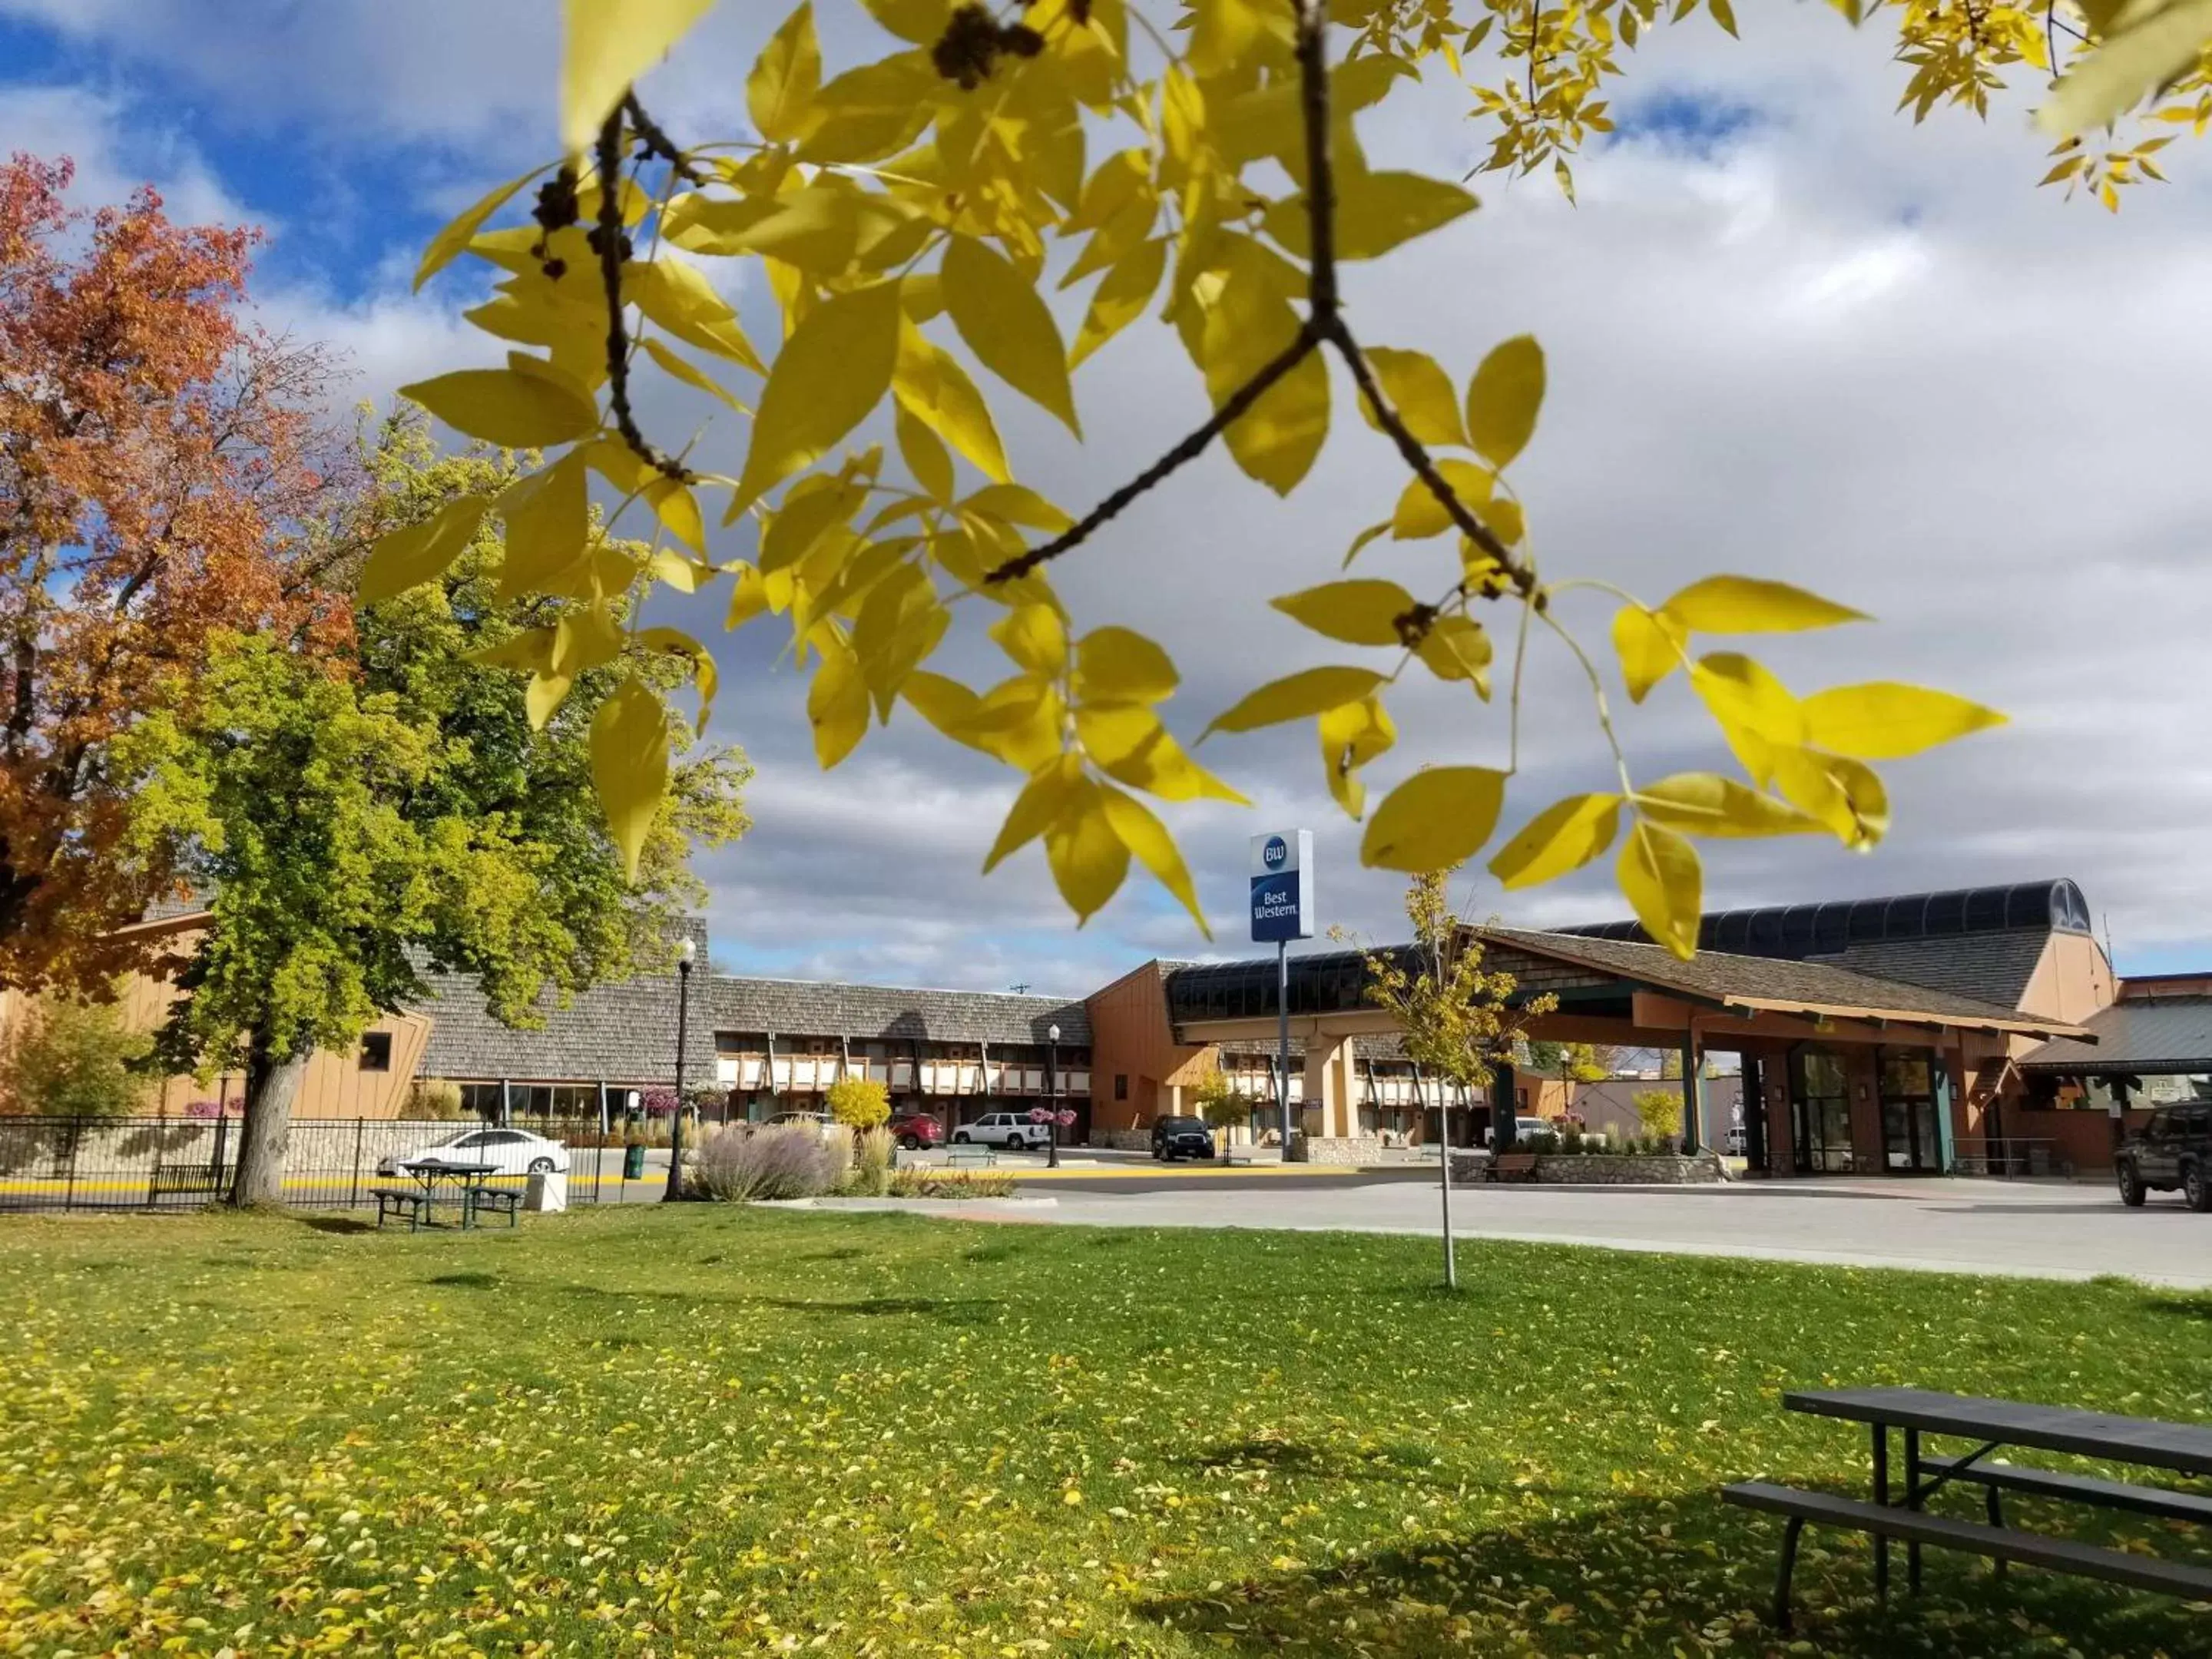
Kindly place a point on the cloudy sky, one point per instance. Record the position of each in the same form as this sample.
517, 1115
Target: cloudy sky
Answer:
1789, 334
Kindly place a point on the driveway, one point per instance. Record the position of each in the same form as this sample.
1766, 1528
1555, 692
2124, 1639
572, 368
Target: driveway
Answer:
2030, 1229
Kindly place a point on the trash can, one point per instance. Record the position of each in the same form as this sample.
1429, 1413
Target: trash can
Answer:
634, 1162
545, 1191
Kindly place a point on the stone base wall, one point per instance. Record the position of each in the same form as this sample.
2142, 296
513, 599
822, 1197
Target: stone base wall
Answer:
1341, 1149
1122, 1140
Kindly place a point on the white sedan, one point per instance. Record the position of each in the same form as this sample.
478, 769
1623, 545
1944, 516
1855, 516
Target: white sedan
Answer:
509, 1151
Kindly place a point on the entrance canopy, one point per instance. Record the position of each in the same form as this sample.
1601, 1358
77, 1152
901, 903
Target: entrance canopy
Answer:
2168, 1036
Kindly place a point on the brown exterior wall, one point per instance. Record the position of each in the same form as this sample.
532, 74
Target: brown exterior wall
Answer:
1131, 1038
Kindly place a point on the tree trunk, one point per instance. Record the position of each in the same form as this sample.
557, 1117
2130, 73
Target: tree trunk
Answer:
271, 1085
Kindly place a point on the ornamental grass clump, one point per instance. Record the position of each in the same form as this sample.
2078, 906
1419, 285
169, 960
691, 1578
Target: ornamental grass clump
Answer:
780, 1162
874, 1155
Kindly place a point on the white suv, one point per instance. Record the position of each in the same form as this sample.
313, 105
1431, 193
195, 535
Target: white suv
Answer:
1012, 1130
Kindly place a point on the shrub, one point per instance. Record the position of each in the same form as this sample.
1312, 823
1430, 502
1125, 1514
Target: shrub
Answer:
434, 1097
859, 1102
1660, 1110
782, 1161
71, 1057
916, 1180
871, 1166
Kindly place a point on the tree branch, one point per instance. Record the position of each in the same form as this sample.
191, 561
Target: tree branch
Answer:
657, 142
609, 238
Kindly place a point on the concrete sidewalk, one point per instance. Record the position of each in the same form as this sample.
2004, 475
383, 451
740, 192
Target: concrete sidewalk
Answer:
2029, 1230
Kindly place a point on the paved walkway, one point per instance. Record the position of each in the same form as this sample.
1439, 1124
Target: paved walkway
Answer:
2031, 1229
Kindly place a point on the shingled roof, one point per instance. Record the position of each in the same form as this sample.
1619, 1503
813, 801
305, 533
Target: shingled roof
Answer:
2159, 1037
809, 1008
1778, 984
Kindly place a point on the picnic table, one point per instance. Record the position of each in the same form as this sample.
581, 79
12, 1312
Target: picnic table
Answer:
2177, 1448
431, 1174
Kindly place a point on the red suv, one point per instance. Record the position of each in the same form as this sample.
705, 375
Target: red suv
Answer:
914, 1130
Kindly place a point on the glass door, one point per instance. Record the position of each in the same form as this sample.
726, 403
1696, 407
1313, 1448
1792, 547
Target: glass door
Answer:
1908, 1114
1819, 1114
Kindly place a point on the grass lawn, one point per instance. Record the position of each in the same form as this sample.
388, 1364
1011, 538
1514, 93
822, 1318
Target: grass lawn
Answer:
712, 1430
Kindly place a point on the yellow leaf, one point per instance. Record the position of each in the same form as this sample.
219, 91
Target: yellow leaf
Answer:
946, 704
543, 697
1351, 736
830, 374
931, 383
748, 599
1137, 829
1119, 298
701, 661
1296, 696
921, 21
407, 558
1883, 720
1015, 503
678, 298
677, 509
1358, 612
1361, 541
1421, 392
1374, 212
1250, 321
1723, 14
1007, 327
610, 43
1089, 860
836, 704
547, 518
1127, 741
691, 375
1660, 878
1503, 397
1844, 795
1650, 647
924, 453
629, 766
2143, 48
1566, 836
1118, 665
1051, 791
586, 637
1746, 605
514, 410
1433, 820
1035, 637
872, 111
1456, 648
779, 91
448, 243
1419, 514
1707, 803
1021, 720
1756, 714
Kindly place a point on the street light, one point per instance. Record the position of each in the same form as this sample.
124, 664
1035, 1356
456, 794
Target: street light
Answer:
684, 953
1052, 1092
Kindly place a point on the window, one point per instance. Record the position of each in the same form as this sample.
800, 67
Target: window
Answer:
1121, 1085
376, 1051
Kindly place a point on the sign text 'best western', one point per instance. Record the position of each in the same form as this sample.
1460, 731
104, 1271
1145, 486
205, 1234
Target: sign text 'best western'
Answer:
1282, 886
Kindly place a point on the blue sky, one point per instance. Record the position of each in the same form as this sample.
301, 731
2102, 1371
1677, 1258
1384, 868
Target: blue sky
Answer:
1790, 333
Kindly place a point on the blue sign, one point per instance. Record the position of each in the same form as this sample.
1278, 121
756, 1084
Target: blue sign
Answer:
1282, 886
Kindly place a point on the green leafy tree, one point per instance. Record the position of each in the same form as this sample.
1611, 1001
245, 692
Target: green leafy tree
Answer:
359, 818
1544, 1056
1585, 1062
859, 1102
72, 1056
1204, 164
1215, 1099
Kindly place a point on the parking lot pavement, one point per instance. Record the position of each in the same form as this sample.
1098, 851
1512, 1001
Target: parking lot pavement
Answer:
2029, 1229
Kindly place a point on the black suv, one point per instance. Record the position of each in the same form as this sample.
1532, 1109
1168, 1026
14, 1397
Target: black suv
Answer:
1180, 1137
2173, 1150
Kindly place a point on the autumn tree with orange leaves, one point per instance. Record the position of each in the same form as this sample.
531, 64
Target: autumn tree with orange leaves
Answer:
153, 447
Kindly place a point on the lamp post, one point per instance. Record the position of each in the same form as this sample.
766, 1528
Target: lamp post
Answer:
684, 953
1052, 1093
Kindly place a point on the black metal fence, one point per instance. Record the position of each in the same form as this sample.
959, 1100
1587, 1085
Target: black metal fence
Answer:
331, 1163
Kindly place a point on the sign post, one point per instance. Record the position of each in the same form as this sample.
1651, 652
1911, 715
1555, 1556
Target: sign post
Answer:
1282, 910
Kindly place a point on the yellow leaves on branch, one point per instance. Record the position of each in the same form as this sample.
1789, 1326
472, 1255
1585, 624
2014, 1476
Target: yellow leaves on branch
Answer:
608, 44
629, 766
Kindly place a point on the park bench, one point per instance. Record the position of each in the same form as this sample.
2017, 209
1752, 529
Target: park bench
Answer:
204, 1182
409, 1201
1512, 1166
2183, 1448
956, 1156
506, 1201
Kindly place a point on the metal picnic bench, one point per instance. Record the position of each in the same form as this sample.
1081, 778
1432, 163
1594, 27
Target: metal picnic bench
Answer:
2184, 1448
956, 1156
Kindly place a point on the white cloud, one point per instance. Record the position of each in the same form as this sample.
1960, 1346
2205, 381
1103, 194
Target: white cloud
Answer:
116, 149
1816, 343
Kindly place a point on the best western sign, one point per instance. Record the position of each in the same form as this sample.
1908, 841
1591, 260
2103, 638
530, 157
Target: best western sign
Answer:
1282, 886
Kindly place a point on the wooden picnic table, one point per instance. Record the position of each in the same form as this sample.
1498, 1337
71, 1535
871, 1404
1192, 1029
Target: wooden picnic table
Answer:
2178, 1448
